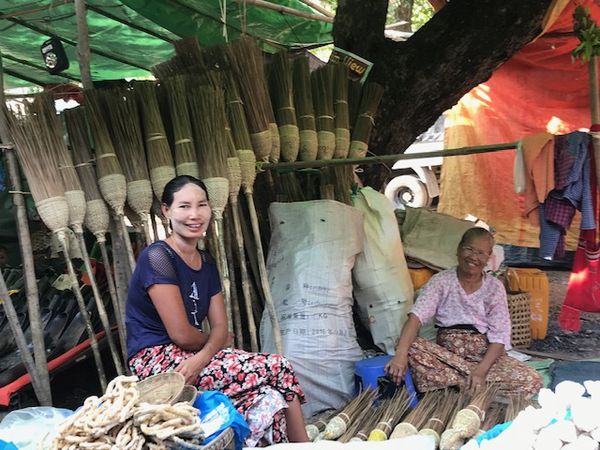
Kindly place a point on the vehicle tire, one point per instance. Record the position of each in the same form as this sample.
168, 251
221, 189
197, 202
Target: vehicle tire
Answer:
407, 190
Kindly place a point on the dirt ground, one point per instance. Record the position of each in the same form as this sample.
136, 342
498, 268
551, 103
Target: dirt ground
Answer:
566, 345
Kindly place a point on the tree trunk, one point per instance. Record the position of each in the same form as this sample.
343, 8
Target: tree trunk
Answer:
456, 50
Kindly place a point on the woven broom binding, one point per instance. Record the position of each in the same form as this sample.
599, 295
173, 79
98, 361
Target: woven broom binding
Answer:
248, 168
76, 202
261, 143
218, 193
342, 143
275, 143
309, 145
234, 174
290, 142
160, 176
188, 168
326, 148
97, 218
358, 149
466, 422
139, 196
114, 190
54, 212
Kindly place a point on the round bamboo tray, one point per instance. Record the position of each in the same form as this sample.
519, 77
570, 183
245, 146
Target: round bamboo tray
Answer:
161, 388
225, 441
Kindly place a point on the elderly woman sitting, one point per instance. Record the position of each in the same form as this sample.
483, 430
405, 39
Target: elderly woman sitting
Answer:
474, 329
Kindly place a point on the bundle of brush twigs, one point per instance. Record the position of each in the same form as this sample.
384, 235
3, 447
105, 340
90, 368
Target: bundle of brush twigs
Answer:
338, 425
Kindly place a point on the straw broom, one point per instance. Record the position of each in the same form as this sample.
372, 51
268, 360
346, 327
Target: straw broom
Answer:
390, 416
354, 96
127, 135
438, 420
207, 108
44, 106
111, 180
247, 64
283, 104
468, 420
96, 216
186, 161
362, 433
322, 88
314, 428
338, 425
31, 136
369, 102
417, 417
341, 111
303, 100
158, 152
358, 422
189, 52
241, 142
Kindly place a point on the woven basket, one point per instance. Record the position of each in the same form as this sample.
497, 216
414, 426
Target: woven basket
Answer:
188, 395
161, 388
223, 442
519, 306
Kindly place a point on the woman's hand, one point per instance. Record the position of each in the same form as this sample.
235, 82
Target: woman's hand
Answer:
477, 377
190, 368
396, 367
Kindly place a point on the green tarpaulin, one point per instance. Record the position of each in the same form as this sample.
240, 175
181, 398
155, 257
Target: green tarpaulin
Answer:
129, 37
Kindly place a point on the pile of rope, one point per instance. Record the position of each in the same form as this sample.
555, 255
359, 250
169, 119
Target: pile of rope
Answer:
118, 421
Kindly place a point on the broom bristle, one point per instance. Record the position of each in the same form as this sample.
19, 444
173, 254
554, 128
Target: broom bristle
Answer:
371, 97
421, 413
354, 96
303, 99
126, 132
106, 158
207, 108
280, 79
247, 64
157, 147
185, 151
340, 96
44, 106
235, 113
322, 88
78, 132
28, 133
189, 52
439, 418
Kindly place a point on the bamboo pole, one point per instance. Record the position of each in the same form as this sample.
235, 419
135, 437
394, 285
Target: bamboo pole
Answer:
83, 44
287, 10
318, 8
233, 292
17, 332
239, 249
33, 302
84, 313
460, 151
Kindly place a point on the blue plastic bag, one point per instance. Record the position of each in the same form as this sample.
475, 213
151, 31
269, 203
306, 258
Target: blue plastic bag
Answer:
7, 445
216, 409
27, 427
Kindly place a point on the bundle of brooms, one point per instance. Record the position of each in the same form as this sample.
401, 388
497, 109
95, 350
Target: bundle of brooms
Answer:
97, 217
467, 422
418, 416
438, 420
318, 425
122, 110
74, 194
394, 411
303, 101
341, 111
111, 179
33, 135
372, 94
280, 81
322, 89
338, 425
247, 64
361, 431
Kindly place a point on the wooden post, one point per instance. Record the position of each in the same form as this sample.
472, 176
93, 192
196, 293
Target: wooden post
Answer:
83, 44
595, 111
33, 302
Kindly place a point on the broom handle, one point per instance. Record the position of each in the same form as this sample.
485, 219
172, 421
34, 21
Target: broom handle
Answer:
595, 110
153, 224
264, 277
100, 304
127, 241
115, 300
233, 290
239, 247
84, 313
146, 230
17, 332
222, 258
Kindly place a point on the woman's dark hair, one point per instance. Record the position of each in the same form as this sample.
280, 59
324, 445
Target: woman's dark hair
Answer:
175, 186
475, 232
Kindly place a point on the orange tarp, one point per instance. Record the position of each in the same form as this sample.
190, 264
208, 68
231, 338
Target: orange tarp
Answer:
539, 89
